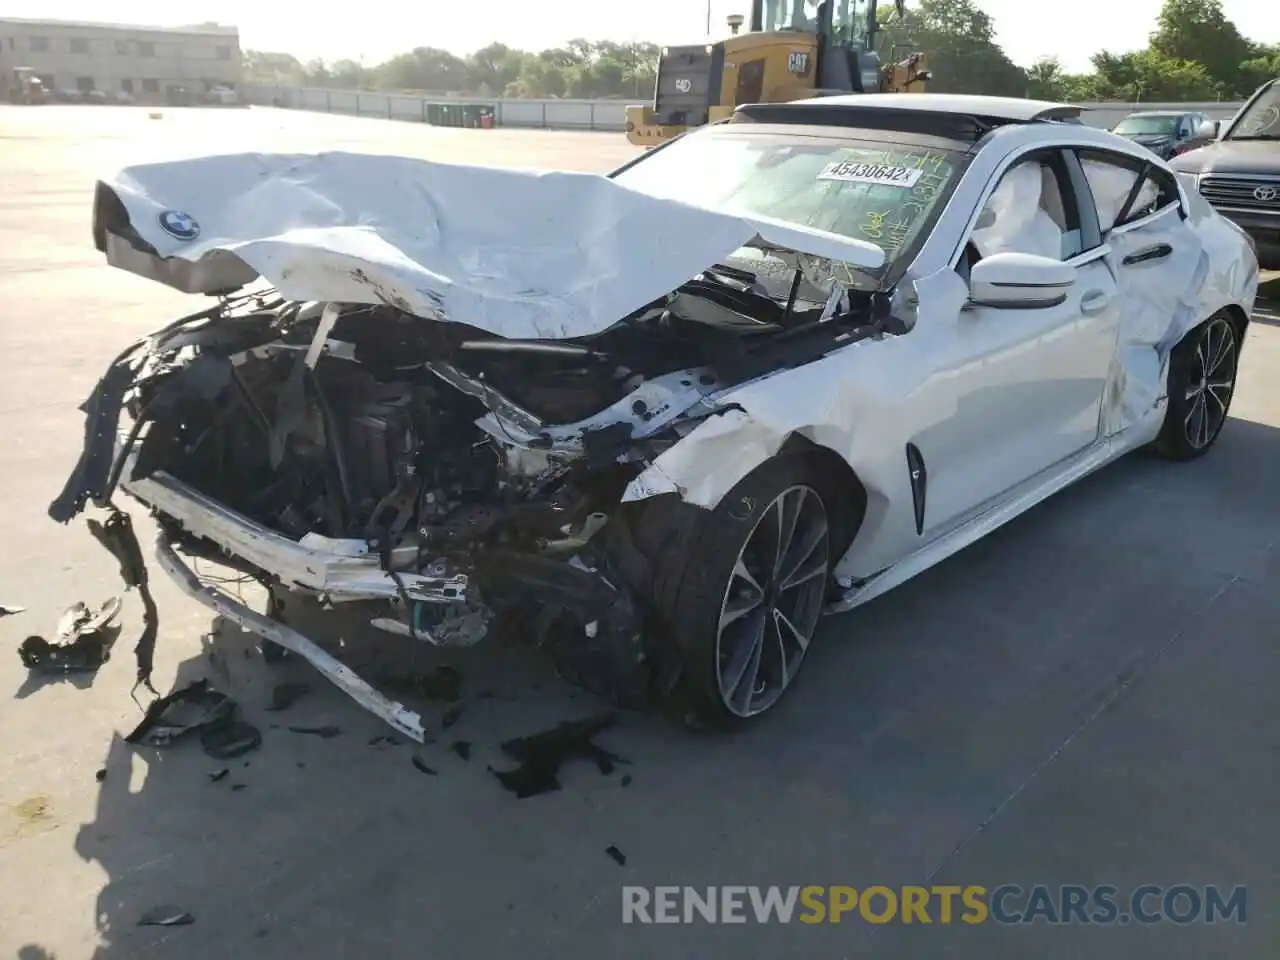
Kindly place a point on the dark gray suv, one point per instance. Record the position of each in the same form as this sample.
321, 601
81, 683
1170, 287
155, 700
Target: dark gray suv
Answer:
1167, 133
1239, 173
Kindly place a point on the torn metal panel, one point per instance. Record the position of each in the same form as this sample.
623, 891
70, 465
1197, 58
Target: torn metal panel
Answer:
516, 253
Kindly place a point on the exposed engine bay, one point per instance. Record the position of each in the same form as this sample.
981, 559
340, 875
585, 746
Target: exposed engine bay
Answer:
479, 479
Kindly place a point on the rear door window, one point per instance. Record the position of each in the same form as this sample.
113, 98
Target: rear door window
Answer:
1126, 189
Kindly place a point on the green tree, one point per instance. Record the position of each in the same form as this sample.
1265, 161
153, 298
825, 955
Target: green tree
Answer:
1046, 80
1197, 31
959, 40
1149, 76
273, 68
425, 68
1262, 65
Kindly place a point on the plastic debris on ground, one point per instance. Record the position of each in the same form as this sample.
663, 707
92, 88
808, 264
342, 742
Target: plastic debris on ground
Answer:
229, 740
542, 755
616, 855
324, 733
83, 642
166, 916
422, 766
197, 708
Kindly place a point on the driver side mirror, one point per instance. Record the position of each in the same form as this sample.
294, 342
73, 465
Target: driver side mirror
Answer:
1208, 131
1020, 281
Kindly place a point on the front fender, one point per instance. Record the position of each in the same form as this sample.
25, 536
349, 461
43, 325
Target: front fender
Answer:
712, 458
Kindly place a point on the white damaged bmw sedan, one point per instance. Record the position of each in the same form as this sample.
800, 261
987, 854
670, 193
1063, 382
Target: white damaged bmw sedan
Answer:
657, 422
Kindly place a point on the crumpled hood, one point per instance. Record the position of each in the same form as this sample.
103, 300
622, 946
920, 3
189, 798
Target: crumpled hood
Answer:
516, 253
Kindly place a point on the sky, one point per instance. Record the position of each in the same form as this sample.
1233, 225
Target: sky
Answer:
382, 28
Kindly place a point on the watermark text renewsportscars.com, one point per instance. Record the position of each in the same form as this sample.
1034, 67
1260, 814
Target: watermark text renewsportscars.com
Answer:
1008, 904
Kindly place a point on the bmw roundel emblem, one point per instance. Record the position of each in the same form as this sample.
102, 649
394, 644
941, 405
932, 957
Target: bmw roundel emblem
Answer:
179, 225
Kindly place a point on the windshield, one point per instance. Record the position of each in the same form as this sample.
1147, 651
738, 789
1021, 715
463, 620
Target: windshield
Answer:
885, 194
1147, 126
790, 15
849, 19
1260, 120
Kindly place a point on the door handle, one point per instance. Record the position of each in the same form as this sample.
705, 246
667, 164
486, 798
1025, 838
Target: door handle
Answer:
1147, 254
1095, 301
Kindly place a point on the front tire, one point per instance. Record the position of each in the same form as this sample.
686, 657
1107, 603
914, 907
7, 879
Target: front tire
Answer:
755, 580
1202, 381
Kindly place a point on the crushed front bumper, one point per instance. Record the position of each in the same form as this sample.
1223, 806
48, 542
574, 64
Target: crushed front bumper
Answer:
396, 714
339, 570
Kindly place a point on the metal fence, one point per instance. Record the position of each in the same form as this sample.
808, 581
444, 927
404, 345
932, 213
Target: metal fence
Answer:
568, 114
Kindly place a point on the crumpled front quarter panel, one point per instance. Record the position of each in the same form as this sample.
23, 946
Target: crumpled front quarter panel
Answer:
859, 402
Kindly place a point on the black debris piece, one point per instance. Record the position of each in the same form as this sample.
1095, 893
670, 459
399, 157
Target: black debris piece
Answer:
229, 740
219, 775
285, 695
116, 534
166, 916
626, 779
196, 706
462, 748
324, 733
83, 643
8, 609
540, 756
616, 855
101, 775
237, 786
421, 765
385, 740
451, 716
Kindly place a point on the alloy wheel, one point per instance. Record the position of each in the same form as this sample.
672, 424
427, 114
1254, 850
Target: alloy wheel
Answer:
772, 602
1212, 381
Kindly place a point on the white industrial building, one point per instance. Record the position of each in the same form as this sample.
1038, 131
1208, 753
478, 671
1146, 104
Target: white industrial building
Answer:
143, 62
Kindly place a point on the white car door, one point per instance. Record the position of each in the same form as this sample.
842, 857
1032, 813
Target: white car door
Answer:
1157, 258
1024, 386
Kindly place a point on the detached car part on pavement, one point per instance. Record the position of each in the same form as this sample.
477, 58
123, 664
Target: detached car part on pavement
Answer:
659, 420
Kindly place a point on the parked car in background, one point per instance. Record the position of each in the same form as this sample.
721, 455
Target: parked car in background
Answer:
1239, 174
1167, 133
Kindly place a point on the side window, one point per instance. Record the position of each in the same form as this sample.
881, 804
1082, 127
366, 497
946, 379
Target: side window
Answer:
1031, 210
1125, 188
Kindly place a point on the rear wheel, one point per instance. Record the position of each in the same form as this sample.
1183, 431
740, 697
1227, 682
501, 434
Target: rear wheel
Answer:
1202, 381
755, 579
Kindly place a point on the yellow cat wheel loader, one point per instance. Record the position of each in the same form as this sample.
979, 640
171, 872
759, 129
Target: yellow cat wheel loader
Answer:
794, 49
